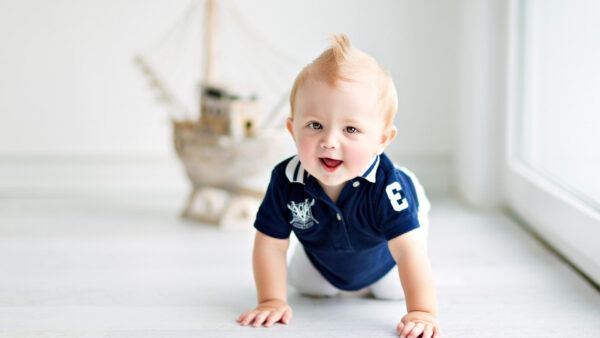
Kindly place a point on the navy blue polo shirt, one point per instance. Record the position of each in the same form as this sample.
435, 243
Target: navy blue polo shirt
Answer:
345, 241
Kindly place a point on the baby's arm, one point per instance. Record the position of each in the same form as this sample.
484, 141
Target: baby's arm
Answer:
409, 253
270, 276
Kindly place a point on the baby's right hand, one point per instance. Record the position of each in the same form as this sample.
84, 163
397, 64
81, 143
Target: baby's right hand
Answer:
268, 312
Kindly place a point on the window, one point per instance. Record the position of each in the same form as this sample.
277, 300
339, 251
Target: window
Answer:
560, 94
553, 171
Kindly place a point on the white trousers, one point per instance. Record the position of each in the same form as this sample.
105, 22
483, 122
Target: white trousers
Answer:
307, 280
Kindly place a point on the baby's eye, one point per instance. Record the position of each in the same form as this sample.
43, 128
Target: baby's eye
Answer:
350, 130
315, 125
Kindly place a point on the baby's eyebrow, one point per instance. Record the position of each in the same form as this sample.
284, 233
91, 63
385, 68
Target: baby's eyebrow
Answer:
353, 121
310, 118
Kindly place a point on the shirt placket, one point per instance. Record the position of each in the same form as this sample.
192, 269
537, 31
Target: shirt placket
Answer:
338, 227
341, 238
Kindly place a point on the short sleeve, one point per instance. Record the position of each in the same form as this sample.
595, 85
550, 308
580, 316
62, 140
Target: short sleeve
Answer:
398, 208
271, 217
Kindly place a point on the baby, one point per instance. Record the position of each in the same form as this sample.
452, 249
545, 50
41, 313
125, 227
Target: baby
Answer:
361, 221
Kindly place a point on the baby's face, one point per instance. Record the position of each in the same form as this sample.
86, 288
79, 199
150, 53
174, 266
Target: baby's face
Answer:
338, 130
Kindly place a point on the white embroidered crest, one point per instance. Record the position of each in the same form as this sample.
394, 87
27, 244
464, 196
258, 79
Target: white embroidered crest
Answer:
303, 218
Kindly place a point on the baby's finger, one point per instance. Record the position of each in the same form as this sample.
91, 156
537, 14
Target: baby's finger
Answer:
437, 332
416, 331
243, 315
406, 329
248, 317
272, 318
428, 332
260, 318
287, 316
399, 327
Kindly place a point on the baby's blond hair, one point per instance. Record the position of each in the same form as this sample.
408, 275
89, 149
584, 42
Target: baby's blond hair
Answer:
344, 62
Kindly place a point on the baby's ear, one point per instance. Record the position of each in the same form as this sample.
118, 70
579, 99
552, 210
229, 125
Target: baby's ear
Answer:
289, 125
388, 135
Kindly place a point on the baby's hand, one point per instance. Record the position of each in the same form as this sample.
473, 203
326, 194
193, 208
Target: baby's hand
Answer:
415, 323
272, 311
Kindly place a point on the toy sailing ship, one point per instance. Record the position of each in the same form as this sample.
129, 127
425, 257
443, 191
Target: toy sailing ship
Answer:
230, 139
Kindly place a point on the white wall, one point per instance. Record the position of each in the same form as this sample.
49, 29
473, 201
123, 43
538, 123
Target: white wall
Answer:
69, 91
481, 105
68, 84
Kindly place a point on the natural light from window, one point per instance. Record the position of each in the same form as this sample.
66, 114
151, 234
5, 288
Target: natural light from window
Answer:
559, 134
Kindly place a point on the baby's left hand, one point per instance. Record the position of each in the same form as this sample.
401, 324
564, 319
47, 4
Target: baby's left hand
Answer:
415, 323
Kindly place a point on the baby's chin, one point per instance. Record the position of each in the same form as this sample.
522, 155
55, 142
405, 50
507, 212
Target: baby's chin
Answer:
332, 179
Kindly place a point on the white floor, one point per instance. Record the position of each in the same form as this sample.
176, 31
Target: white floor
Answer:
127, 266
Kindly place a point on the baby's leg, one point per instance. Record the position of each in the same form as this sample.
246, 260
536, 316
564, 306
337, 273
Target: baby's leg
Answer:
388, 287
305, 278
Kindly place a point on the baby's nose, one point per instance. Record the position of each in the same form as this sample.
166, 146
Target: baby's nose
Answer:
329, 141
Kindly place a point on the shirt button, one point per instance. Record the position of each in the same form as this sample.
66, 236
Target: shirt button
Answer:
339, 217
356, 184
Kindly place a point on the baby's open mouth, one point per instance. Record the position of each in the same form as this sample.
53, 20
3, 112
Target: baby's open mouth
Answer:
330, 164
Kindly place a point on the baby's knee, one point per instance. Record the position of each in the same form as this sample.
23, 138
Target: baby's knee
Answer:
387, 293
312, 286
305, 278
322, 291
388, 287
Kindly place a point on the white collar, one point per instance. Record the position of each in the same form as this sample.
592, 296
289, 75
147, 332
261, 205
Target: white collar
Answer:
295, 171
371, 172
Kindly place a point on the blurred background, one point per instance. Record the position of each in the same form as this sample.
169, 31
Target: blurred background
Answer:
498, 100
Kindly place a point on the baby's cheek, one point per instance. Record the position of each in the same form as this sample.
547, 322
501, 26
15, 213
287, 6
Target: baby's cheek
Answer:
359, 157
306, 153
305, 150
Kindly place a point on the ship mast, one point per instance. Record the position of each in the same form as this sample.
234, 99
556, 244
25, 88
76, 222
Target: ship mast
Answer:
210, 32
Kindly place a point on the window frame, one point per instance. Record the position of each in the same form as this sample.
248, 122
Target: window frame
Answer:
560, 218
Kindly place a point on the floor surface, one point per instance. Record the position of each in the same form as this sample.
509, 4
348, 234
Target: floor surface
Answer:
125, 265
